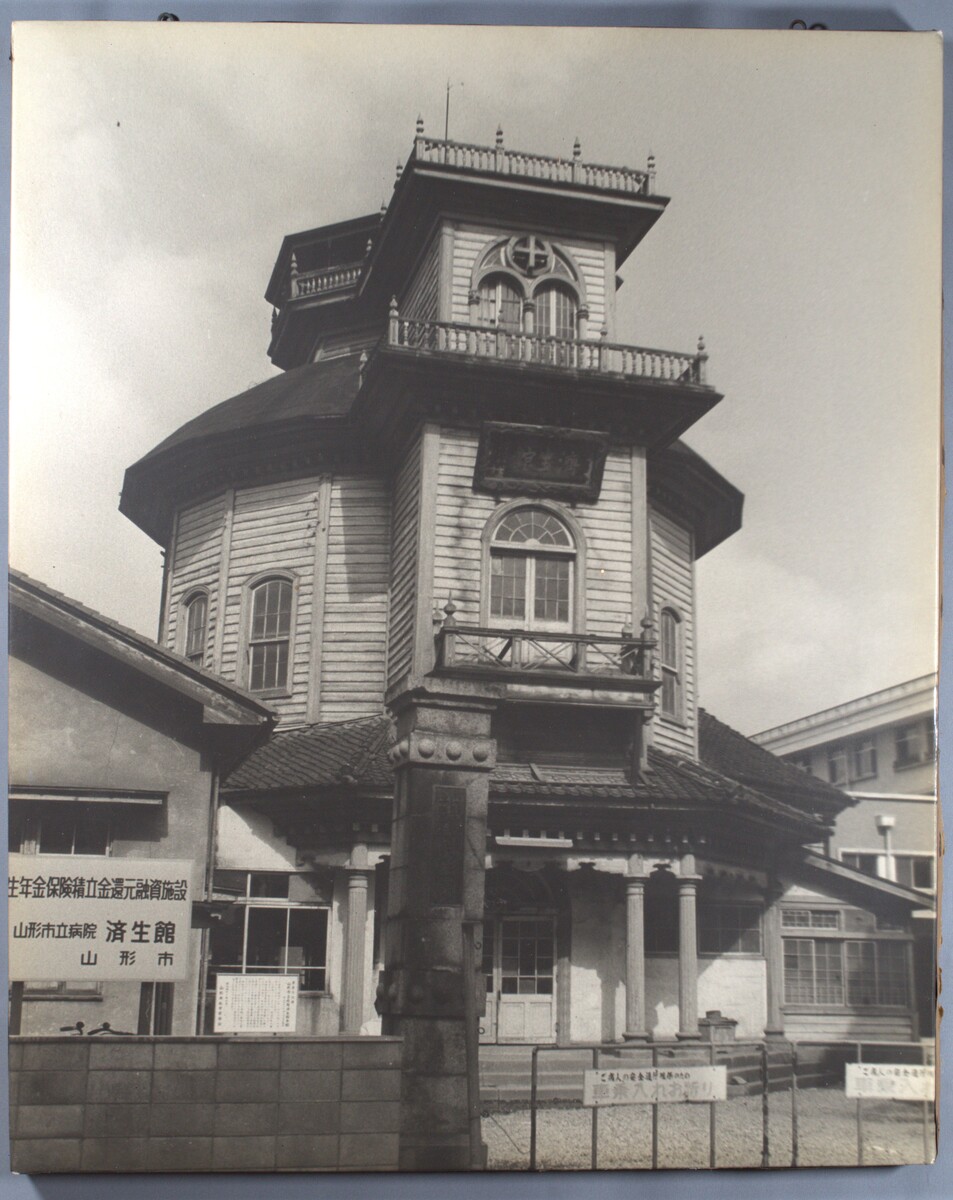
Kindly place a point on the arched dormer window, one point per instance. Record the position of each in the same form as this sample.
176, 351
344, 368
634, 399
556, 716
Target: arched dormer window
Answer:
501, 303
670, 660
271, 605
532, 568
195, 634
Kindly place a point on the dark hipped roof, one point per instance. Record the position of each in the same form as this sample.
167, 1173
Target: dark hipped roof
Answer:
734, 755
319, 757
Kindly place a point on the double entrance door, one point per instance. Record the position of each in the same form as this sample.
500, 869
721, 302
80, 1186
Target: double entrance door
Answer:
520, 971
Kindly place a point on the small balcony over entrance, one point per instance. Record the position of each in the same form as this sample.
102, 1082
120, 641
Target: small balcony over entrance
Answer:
537, 666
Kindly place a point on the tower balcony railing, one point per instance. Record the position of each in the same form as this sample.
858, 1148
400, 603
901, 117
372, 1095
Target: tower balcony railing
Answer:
520, 652
302, 284
600, 356
515, 163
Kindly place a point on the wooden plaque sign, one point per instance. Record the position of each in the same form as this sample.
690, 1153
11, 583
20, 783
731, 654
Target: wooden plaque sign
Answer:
541, 460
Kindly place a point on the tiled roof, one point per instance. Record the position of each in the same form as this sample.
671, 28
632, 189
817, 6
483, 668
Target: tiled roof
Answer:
731, 753
318, 756
354, 752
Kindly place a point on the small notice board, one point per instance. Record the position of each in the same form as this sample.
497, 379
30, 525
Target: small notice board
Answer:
889, 1081
256, 1003
98, 919
654, 1085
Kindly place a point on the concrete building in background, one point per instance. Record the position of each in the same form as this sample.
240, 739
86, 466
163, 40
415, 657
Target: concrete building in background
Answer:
881, 749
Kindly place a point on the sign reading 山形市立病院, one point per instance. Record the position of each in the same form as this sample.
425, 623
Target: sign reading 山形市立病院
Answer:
120, 918
654, 1085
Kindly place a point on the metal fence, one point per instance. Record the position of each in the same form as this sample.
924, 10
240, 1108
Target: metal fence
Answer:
782, 1083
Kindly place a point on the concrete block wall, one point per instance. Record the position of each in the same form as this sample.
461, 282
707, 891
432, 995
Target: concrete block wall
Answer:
204, 1104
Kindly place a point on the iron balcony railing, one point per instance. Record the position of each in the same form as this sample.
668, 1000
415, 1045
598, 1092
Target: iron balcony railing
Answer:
520, 652
599, 357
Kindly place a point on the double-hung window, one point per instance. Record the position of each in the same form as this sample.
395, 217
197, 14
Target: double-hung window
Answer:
196, 627
269, 635
670, 660
825, 969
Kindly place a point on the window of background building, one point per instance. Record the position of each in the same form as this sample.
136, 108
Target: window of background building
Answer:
670, 660
279, 926
803, 762
837, 765
915, 871
532, 561
860, 861
914, 743
863, 758
269, 640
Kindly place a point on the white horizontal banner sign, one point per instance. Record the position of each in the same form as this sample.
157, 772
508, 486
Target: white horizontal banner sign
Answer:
889, 1081
654, 1085
256, 1003
75, 918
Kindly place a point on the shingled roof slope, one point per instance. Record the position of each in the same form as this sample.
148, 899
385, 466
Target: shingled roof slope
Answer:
734, 755
355, 752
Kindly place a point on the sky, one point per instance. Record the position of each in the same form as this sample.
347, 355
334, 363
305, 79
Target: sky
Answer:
156, 168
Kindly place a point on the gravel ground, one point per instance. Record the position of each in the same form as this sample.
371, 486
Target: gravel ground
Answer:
893, 1134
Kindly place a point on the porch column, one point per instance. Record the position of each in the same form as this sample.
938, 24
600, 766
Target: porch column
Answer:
635, 955
428, 990
355, 926
687, 951
774, 966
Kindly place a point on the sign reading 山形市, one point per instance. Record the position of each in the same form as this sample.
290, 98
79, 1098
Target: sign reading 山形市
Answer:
78, 918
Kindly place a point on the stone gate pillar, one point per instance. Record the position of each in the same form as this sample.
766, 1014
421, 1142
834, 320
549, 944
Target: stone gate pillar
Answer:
442, 759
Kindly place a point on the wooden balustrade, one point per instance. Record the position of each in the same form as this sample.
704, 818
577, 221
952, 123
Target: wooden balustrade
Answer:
516, 163
503, 345
519, 651
326, 279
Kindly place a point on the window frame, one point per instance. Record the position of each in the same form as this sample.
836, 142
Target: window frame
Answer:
495, 279
186, 605
248, 903
721, 946
674, 672
252, 586
857, 748
575, 554
923, 734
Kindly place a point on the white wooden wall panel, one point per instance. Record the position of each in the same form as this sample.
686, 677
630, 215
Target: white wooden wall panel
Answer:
197, 549
356, 599
673, 586
404, 565
420, 299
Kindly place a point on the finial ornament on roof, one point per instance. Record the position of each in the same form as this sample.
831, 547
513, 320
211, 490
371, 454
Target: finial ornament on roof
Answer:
420, 126
499, 135
450, 608
651, 162
577, 149
397, 174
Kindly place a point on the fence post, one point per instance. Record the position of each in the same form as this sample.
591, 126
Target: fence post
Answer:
794, 1099
532, 1108
594, 1154
765, 1142
711, 1118
655, 1117
860, 1118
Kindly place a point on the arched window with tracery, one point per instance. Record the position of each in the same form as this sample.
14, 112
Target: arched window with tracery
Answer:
556, 308
670, 660
532, 571
501, 303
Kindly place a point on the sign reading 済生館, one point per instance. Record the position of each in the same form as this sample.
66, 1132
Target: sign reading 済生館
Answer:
889, 1081
654, 1085
98, 919
256, 1003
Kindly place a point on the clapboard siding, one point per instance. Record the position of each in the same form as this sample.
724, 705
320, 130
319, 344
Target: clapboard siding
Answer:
462, 516
673, 586
847, 1027
470, 242
196, 555
356, 599
274, 529
404, 547
420, 299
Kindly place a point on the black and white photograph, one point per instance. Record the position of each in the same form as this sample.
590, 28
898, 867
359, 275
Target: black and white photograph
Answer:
474, 598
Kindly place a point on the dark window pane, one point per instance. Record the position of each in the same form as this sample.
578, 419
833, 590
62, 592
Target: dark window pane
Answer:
269, 884
307, 945
267, 928
56, 833
92, 835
